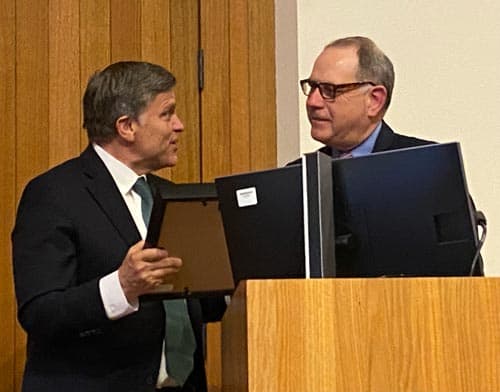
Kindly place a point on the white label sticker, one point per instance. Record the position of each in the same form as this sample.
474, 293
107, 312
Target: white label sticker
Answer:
246, 197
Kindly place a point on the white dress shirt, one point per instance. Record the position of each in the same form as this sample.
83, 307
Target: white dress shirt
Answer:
112, 295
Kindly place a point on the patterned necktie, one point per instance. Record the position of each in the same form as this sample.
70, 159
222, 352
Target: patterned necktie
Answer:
180, 342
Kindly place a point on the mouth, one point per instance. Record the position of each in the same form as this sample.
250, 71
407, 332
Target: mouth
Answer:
319, 119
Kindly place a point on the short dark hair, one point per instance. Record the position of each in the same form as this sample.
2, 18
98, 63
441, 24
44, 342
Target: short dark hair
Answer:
374, 65
122, 88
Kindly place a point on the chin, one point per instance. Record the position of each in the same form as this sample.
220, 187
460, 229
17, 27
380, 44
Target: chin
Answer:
172, 161
321, 136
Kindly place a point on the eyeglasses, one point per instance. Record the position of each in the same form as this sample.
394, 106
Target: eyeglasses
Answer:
329, 90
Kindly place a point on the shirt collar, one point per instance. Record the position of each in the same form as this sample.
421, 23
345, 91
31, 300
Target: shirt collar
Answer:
366, 147
123, 176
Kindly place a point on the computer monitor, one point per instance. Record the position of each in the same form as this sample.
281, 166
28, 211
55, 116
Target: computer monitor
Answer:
262, 216
403, 213
397, 213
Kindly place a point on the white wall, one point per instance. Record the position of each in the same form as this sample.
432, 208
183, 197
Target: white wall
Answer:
445, 55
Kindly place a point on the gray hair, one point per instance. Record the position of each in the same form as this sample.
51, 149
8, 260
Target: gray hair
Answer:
374, 65
122, 89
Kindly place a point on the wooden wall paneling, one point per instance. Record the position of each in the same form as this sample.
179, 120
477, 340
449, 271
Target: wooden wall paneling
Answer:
262, 84
215, 105
95, 37
240, 89
155, 31
238, 144
213, 363
64, 80
32, 80
125, 30
32, 109
155, 39
215, 131
184, 45
95, 46
7, 193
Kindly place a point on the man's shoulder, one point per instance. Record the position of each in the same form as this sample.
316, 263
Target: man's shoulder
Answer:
388, 139
62, 172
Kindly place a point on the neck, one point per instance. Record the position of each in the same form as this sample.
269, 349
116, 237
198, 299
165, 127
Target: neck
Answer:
123, 154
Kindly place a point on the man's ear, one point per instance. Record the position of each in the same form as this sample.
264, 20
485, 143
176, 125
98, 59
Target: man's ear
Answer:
377, 99
125, 128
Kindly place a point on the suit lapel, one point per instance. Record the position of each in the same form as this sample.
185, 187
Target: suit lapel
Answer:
385, 138
102, 188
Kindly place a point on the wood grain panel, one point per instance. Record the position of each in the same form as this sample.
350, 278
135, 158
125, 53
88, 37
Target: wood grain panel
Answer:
239, 83
32, 99
7, 193
215, 131
262, 84
95, 45
32, 109
213, 364
184, 44
428, 334
170, 37
64, 80
125, 30
156, 42
155, 31
215, 106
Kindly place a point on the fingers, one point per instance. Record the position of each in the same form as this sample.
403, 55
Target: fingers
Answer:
144, 269
173, 263
151, 254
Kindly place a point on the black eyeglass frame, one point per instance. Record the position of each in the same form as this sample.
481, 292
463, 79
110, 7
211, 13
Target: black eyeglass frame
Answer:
329, 91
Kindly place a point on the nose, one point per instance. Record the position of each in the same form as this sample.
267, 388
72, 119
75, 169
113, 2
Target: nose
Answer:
178, 126
314, 98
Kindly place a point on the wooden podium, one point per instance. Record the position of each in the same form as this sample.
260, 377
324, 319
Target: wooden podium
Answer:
360, 335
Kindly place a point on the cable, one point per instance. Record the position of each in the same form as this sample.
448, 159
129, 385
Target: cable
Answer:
481, 222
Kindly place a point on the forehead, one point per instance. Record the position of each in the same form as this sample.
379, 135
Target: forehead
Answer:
336, 65
161, 100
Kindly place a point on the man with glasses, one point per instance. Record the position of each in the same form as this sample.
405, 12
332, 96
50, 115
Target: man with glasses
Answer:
348, 94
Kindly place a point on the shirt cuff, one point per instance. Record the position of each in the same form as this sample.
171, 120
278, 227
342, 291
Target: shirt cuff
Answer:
113, 298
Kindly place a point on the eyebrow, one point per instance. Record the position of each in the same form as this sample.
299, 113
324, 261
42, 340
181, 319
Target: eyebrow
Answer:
169, 107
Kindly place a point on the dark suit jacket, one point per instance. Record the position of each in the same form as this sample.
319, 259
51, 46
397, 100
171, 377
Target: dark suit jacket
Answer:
72, 228
389, 140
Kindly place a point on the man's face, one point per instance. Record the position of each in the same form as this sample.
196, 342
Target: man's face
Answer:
156, 134
342, 123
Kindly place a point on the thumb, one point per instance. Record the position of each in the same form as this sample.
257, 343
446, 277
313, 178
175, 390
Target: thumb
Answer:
137, 246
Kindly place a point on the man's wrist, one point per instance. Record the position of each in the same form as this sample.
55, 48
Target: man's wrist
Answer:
114, 299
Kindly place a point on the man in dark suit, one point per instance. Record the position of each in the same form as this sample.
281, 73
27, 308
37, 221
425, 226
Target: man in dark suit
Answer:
79, 264
348, 93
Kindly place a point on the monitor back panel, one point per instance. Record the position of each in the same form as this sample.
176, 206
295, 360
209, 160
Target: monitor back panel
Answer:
263, 222
407, 212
